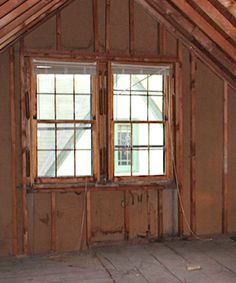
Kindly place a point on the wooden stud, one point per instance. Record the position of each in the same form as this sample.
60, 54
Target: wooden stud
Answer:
225, 163
131, 27
13, 149
162, 39
88, 218
24, 145
126, 215
193, 144
53, 222
179, 133
96, 25
160, 213
107, 26
58, 30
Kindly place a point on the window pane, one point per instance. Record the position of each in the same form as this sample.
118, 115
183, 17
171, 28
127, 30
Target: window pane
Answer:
64, 83
122, 162
82, 84
156, 134
139, 108
155, 82
45, 83
46, 163
64, 107
156, 161
155, 108
65, 136
121, 107
123, 135
121, 82
140, 162
140, 134
65, 163
83, 107
83, 163
83, 137
139, 82
46, 136
45, 107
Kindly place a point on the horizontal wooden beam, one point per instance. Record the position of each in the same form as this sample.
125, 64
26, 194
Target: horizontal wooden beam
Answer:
8, 6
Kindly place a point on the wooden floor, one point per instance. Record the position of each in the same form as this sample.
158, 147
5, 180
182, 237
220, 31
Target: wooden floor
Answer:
165, 262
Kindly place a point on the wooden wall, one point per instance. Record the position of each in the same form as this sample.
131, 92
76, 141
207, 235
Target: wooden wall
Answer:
147, 212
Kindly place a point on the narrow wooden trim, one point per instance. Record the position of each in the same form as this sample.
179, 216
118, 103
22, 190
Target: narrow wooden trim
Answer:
107, 25
126, 215
162, 39
13, 149
24, 145
179, 133
193, 144
88, 218
95, 25
225, 163
58, 30
131, 27
160, 222
53, 222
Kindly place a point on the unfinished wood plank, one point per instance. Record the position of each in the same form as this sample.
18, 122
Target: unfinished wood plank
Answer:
58, 30
179, 134
96, 26
131, 26
193, 144
107, 26
24, 145
13, 149
225, 163
88, 218
126, 215
53, 222
162, 39
160, 214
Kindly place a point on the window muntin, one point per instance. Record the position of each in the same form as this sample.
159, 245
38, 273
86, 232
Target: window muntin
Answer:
138, 101
64, 119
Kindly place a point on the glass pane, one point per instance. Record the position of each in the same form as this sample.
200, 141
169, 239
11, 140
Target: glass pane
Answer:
123, 135
156, 134
64, 83
122, 162
121, 82
156, 161
46, 163
83, 107
65, 163
139, 108
45, 83
140, 134
83, 137
121, 107
140, 162
83, 163
155, 111
64, 107
46, 136
82, 84
139, 82
155, 83
45, 107
65, 136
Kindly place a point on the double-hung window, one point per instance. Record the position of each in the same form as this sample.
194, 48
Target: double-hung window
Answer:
64, 124
139, 124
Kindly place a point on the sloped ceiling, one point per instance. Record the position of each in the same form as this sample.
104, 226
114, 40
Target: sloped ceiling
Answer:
206, 26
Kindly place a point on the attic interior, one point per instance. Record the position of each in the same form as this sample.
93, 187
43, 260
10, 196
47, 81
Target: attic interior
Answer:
117, 141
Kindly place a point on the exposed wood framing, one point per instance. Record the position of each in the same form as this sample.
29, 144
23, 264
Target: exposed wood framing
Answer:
179, 133
131, 27
126, 215
107, 26
160, 213
225, 163
162, 39
13, 149
58, 30
24, 146
95, 25
53, 222
88, 218
193, 144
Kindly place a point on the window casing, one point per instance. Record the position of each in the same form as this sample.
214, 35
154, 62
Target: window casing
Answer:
69, 122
